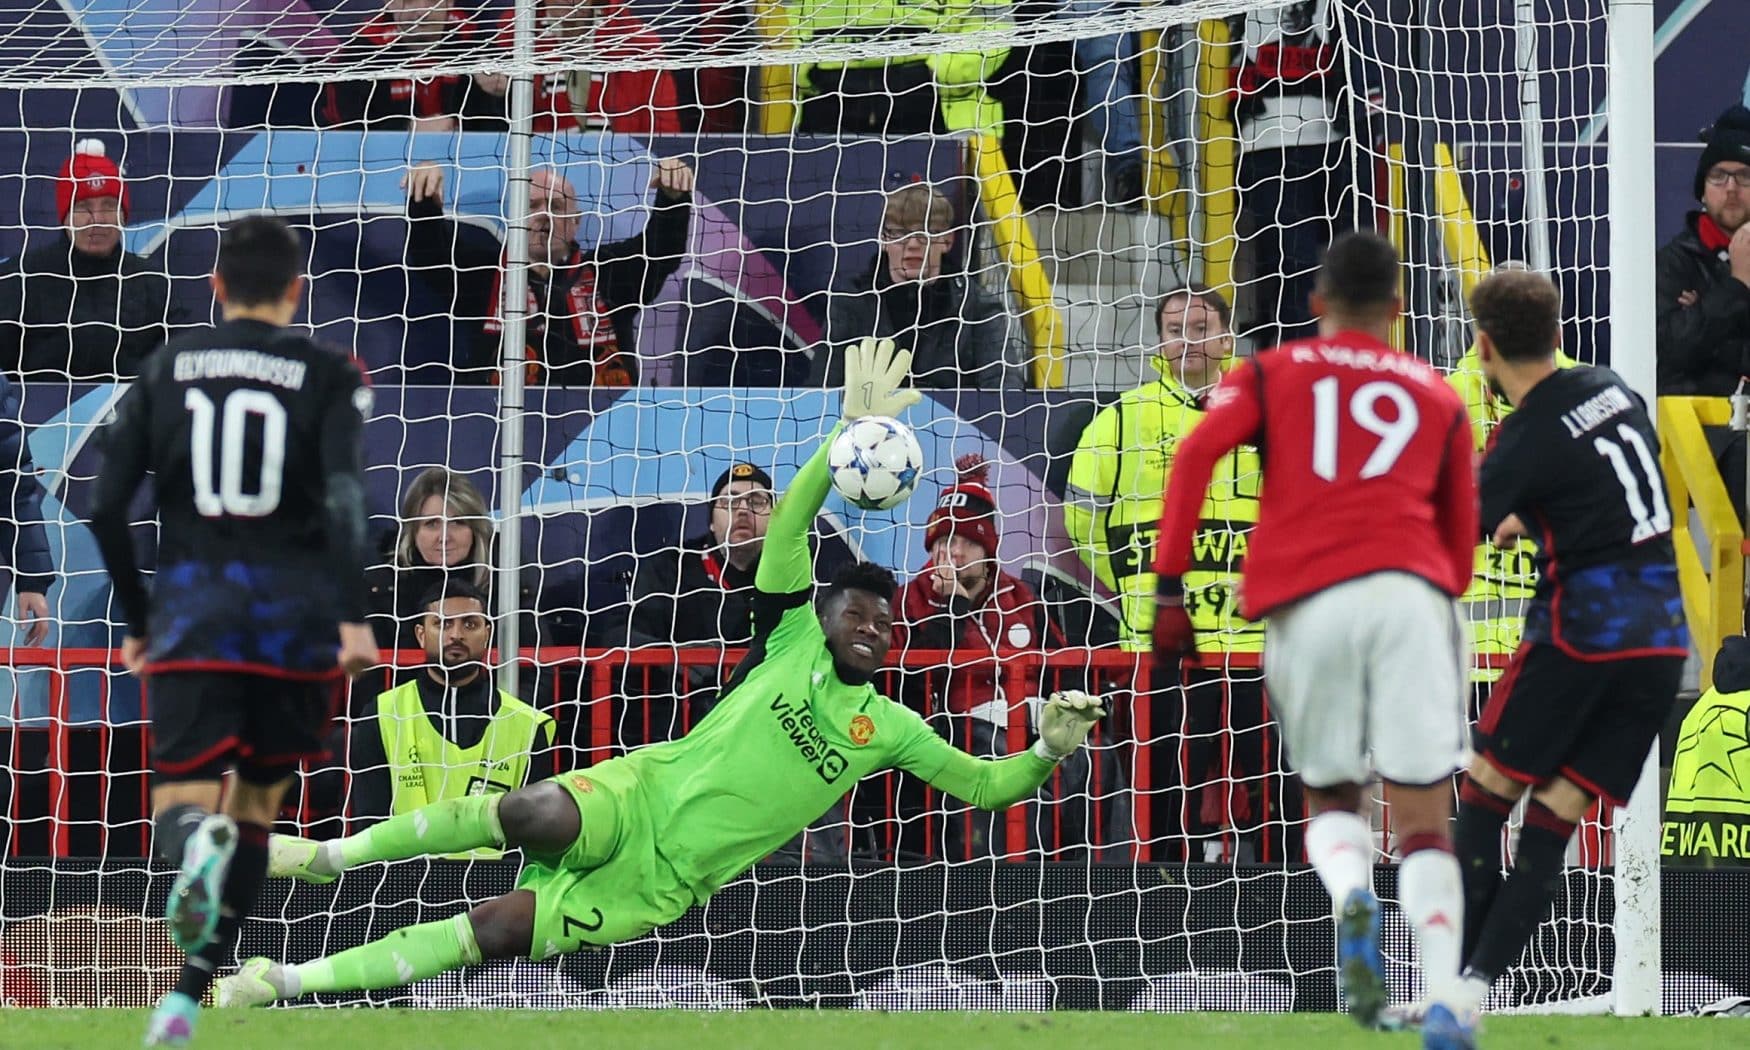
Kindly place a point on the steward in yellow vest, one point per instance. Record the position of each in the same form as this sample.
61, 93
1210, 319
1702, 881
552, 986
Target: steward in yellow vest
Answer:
1503, 580
1707, 813
448, 732
895, 95
1119, 471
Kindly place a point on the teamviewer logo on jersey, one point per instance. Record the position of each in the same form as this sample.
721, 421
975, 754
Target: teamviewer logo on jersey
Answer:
798, 725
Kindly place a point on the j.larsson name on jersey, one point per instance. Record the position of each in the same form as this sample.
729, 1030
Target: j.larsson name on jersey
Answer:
192, 365
827, 760
1588, 414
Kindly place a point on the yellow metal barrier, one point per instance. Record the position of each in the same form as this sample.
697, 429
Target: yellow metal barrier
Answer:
1161, 167
1712, 580
1039, 314
1458, 227
777, 85
1395, 203
1218, 156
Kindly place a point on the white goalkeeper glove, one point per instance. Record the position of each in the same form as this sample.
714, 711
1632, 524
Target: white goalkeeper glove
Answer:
875, 374
1065, 722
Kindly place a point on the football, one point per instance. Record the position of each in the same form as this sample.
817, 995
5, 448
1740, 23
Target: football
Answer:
875, 462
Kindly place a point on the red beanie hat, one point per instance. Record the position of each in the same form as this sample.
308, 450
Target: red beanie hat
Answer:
966, 508
88, 173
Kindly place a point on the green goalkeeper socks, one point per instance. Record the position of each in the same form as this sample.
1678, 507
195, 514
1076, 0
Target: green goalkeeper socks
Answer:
451, 826
401, 958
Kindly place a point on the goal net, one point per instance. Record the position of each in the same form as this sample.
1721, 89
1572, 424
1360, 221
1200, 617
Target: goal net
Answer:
594, 255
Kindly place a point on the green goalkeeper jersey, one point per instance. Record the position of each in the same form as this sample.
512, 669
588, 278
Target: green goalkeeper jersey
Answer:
789, 738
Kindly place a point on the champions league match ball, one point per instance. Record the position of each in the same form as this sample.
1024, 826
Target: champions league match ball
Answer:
875, 462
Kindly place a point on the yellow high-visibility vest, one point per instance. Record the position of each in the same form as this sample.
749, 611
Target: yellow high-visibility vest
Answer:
1117, 478
426, 767
1707, 810
1502, 581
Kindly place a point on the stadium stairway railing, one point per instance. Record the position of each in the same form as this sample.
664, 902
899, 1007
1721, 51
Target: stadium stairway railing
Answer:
1710, 565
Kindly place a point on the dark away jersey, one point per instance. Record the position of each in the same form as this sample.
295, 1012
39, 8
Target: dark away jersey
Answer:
253, 435
1578, 462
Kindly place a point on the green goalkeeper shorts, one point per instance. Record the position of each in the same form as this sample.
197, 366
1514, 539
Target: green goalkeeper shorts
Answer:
611, 885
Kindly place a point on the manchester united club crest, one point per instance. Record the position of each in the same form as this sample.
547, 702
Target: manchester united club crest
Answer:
862, 730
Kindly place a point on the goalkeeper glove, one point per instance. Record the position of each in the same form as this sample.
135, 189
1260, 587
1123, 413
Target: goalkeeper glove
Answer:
1065, 722
1175, 640
875, 374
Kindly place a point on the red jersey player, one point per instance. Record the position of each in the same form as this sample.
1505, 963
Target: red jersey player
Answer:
1366, 529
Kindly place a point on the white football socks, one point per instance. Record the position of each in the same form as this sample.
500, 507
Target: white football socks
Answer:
1431, 892
1340, 846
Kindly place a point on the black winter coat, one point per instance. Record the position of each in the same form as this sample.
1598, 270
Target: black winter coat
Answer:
1703, 347
677, 600
63, 312
958, 333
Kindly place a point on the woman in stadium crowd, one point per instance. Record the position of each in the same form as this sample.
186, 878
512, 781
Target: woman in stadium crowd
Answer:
445, 529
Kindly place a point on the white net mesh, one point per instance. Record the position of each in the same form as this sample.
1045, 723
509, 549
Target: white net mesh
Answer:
717, 208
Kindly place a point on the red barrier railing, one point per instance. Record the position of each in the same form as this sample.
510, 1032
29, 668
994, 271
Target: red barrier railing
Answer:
598, 697
1192, 788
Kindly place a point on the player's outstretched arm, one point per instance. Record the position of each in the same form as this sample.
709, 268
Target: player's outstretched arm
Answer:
1064, 724
126, 442
1231, 419
1457, 495
1234, 414
784, 562
874, 386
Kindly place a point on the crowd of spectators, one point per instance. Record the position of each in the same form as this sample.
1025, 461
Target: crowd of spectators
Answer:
84, 308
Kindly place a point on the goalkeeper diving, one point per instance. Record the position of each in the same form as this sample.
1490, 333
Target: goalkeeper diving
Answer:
615, 850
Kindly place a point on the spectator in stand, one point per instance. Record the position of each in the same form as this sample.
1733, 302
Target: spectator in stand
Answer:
1106, 70
1296, 181
629, 101
445, 537
959, 334
909, 95
583, 304
701, 593
448, 732
1116, 478
24, 541
84, 308
1703, 296
412, 33
697, 596
964, 603
1704, 272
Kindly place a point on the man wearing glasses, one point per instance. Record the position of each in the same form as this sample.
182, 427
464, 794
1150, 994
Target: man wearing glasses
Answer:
698, 595
1704, 287
959, 334
701, 592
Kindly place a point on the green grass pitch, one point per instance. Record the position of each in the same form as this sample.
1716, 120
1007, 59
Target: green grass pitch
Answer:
387, 1029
